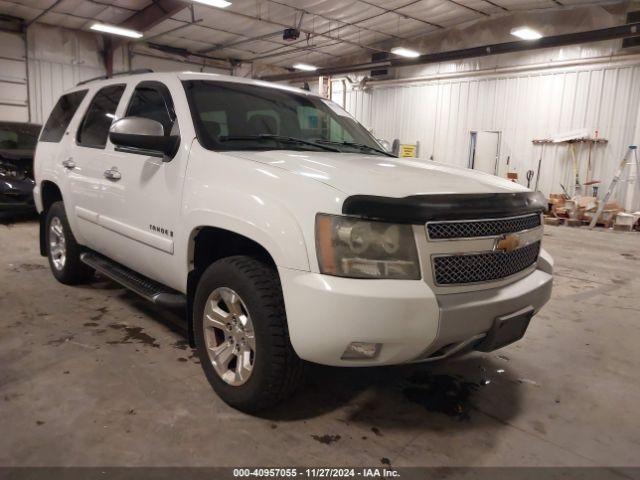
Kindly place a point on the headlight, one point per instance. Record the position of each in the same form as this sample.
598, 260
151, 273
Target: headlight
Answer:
350, 247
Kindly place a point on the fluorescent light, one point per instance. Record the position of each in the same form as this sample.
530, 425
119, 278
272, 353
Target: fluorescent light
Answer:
215, 3
405, 52
125, 32
526, 33
305, 67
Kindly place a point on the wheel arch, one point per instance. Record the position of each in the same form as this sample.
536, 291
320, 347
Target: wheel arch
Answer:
49, 194
207, 244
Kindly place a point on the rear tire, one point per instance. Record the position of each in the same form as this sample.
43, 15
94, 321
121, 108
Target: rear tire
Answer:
244, 297
62, 249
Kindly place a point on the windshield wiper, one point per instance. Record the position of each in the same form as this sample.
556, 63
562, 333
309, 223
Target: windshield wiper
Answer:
359, 146
277, 138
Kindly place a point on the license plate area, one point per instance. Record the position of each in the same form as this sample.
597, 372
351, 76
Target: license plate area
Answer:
506, 329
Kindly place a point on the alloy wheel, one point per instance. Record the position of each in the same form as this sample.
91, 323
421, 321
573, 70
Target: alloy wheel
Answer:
229, 336
57, 244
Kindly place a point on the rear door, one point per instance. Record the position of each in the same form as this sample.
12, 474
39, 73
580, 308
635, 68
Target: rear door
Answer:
90, 156
141, 209
53, 147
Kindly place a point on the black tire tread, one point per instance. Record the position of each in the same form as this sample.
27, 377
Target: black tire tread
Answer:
288, 368
75, 272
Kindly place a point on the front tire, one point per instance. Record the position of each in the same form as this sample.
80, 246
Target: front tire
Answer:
241, 334
62, 249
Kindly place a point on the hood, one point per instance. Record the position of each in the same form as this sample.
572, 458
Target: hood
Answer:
354, 173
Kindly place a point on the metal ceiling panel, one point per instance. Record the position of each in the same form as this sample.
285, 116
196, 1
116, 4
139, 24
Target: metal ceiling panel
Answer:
347, 12
578, 2
338, 27
258, 47
397, 25
229, 22
182, 42
131, 4
491, 7
163, 27
39, 4
207, 35
439, 12
113, 15
80, 7
66, 21
20, 11
385, 4
527, 4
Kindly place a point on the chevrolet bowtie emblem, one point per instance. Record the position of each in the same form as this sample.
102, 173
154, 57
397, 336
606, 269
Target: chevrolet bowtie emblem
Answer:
507, 243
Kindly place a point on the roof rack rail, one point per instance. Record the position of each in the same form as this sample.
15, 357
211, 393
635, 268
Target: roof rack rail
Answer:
117, 74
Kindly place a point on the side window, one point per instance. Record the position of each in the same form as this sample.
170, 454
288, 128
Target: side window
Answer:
61, 116
101, 112
152, 100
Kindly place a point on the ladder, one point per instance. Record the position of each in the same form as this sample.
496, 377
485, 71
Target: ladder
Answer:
631, 151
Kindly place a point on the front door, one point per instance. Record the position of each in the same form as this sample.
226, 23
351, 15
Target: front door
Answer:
141, 208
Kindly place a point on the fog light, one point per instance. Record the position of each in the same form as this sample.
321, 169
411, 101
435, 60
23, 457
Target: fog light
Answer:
361, 350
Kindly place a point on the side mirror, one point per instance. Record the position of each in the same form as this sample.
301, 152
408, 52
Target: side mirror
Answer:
385, 144
144, 137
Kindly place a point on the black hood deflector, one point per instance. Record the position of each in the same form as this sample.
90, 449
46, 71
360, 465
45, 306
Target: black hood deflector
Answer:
418, 209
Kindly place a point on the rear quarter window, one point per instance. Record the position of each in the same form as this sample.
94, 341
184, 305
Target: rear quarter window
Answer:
61, 116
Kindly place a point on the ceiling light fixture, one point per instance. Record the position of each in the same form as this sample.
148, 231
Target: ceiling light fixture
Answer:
305, 67
526, 33
124, 32
405, 52
214, 3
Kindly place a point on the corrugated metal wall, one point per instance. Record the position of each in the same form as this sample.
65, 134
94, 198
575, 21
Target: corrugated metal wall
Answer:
58, 60
441, 114
14, 104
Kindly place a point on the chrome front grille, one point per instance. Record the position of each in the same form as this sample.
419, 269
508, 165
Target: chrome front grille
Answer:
484, 266
481, 228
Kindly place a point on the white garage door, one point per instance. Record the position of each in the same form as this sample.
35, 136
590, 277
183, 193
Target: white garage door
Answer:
14, 95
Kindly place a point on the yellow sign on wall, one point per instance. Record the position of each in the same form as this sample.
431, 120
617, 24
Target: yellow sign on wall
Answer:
408, 151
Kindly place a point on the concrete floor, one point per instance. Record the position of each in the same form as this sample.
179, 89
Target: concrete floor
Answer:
94, 376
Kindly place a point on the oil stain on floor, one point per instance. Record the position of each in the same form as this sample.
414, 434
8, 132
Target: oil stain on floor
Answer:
446, 394
133, 335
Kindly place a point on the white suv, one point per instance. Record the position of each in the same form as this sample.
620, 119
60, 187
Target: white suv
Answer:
282, 228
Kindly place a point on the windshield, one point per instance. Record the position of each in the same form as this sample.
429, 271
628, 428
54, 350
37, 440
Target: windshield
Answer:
18, 136
235, 116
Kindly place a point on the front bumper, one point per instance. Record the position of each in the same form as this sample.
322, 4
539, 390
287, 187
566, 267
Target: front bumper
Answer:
325, 314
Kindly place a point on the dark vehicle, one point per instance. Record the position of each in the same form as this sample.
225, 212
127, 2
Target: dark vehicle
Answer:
17, 146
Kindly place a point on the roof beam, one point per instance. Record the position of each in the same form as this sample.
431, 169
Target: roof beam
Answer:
150, 16
153, 14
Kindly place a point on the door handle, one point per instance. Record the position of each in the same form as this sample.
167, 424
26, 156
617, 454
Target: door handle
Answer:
112, 174
69, 164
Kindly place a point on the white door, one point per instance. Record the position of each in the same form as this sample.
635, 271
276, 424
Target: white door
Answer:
485, 154
89, 156
140, 210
